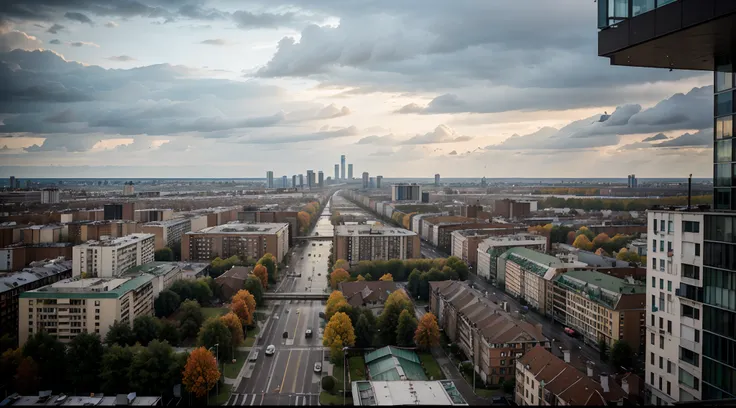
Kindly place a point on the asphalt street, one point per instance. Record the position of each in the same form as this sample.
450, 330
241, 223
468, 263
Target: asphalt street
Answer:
287, 377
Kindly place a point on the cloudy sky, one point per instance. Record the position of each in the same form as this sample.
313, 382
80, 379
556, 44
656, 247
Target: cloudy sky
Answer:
232, 88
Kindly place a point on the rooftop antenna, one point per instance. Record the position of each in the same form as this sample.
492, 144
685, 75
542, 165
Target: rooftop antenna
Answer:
689, 190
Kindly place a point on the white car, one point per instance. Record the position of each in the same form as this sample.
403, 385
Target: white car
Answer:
270, 350
317, 367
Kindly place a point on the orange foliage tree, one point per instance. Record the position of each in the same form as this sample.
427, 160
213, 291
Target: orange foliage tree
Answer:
427, 334
571, 237
232, 321
387, 278
342, 264
200, 373
339, 328
360, 278
601, 239
243, 304
303, 220
261, 273
338, 275
334, 302
582, 242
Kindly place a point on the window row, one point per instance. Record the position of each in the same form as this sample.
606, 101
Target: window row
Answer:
718, 375
720, 349
719, 321
720, 255
720, 228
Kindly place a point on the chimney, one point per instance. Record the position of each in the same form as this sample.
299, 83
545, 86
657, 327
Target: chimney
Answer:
625, 386
589, 369
604, 382
566, 355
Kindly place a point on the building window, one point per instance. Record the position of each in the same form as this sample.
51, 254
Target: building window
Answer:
724, 152
661, 226
661, 283
661, 363
724, 78
669, 326
724, 127
691, 271
724, 103
661, 323
669, 286
654, 282
697, 249
669, 367
651, 358
651, 338
651, 379
661, 342
661, 246
654, 263
669, 388
691, 312
691, 226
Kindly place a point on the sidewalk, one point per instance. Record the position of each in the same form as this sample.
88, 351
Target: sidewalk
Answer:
451, 373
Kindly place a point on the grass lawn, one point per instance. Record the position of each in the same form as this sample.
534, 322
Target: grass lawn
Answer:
213, 312
484, 393
232, 370
222, 397
431, 368
338, 372
357, 368
325, 398
251, 336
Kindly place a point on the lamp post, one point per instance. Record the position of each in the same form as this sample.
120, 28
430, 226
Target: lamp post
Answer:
344, 372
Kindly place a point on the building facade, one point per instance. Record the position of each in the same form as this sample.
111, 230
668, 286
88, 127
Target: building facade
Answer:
70, 307
244, 240
342, 163
366, 180
337, 172
491, 248
379, 180
154, 214
437, 180
50, 196
350, 171
269, 179
116, 211
168, 234
97, 230
406, 192
112, 257
320, 179
527, 275
355, 243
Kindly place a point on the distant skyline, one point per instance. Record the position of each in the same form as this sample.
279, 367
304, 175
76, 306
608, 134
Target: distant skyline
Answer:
219, 88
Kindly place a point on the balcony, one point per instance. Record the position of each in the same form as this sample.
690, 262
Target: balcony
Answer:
653, 33
691, 345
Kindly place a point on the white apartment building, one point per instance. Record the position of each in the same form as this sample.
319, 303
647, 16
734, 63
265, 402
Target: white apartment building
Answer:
69, 307
492, 247
110, 258
50, 196
527, 275
674, 329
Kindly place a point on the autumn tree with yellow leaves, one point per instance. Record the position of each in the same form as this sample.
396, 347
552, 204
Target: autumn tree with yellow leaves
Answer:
243, 304
338, 275
232, 321
200, 373
386, 278
261, 273
428, 332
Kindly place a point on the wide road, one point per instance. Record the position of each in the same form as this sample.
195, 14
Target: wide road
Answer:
288, 377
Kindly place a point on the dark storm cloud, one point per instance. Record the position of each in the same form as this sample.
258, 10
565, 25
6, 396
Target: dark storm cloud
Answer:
74, 16
55, 41
657, 137
54, 29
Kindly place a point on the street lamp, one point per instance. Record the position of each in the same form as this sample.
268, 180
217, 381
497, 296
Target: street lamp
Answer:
344, 372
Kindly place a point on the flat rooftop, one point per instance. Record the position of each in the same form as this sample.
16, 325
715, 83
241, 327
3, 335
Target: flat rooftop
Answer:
510, 239
119, 241
154, 209
480, 232
243, 229
372, 230
167, 223
31, 274
89, 288
605, 281
406, 393
154, 268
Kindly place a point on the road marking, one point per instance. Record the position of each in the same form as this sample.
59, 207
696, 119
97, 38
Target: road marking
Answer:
281, 387
270, 374
252, 400
296, 372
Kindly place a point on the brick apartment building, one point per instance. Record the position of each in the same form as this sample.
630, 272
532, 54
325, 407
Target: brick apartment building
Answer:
290, 217
244, 240
16, 257
355, 243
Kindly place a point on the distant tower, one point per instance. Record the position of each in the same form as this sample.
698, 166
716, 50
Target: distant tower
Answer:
337, 172
293, 181
310, 179
301, 181
284, 182
437, 180
12, 182
378, 181
269, 179
321, 179
350, 171
365, 179
128, 188
342, 162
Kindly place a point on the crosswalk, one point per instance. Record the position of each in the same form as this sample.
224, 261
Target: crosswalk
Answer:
273, 399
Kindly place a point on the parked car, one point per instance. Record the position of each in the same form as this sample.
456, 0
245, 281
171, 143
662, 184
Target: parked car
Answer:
270, 350
308, 333
317, 367
254, 355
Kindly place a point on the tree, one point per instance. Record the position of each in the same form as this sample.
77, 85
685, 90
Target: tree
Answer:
168, 332
303, 220
200, 373
166, 303
146, 329
50, 356
368, 277
352, 312
364, 330
570, 237
585, 231
458, 266
328, 383
389, 318
334, 302
338, 275
27, 377
406, 329
115, 369
427, 334
85, 354
244, 306
269, 262
120, 333
340, 327
202, 291
9, 362
164, 254
190, 318
214, 331
413, 283
7, 342
341, 264
360, 278
601, 239
509, 386
582, 242
622, 355
150, 370
603, 350
254, 286
386, 278
232, 322
336, 351
261, 273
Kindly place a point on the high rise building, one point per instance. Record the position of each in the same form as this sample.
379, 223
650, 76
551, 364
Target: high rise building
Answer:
371, 183
350, 171
50, 196
378, 181
342, 162
301, 181
320, 179
337, 172
310, 179
632, 181
12, 181
688, 35
406, 192
436, 180
269, 179
284, 182
365, 179
293, 181
110, 258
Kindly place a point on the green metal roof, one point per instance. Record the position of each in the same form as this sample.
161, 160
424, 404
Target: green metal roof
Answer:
154, 268
534, 256
49, 292
607, 282
387, 363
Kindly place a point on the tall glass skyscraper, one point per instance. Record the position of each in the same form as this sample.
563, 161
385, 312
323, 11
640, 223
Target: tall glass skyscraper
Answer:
342, 163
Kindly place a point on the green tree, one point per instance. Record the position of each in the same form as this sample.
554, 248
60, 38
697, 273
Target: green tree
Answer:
413, 284
120, 333
146, 329
9, 362
164, 254
168, 332
509, 386
50, 355
389, 318
253, 285
364, 331
622, 355
460, 267
190, 318
352, 312
214, 331
166, 303
7, 342
395, 268
26, 377
202, 291
603, 350
405, 329
269, 262
151, 369
85, 354
115, 369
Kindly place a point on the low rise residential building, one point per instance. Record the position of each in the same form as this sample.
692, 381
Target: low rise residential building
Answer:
527, 274
544, 379
111, 257
371, 294
356, 243
42, 234
97, 230
115, 211
50, 196
37, 275
511, 208
169, 233
194, 270
465, 243
10, 233
154, 214
45, 398
491, 338
164, 273
18, 256
69, 307
393, 393
416, 221
489, 249
601, 307
233, 280
244, 240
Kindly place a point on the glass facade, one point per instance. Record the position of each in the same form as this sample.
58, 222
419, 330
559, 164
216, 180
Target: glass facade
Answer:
611, 12
724, 158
